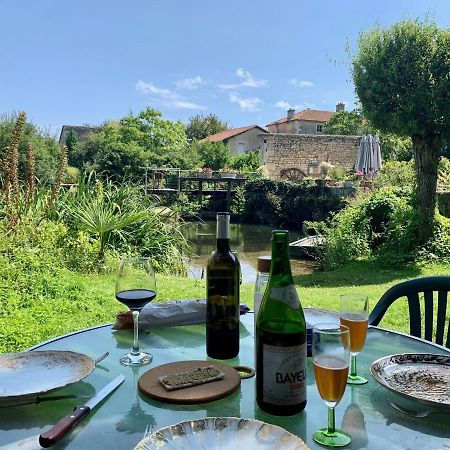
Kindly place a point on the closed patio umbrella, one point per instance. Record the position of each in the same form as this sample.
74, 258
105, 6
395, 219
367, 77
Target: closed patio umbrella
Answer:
368, 159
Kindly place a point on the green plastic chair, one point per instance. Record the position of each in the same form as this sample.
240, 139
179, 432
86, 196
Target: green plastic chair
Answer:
412, 289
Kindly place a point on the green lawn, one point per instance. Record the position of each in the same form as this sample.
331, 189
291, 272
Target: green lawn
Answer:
318, 289
91, 300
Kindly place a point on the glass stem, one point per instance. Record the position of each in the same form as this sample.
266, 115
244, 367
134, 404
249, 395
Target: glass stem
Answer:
331, 425
353, 367
135, 350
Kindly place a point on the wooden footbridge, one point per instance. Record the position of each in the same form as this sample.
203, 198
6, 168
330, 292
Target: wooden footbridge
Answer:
166, 181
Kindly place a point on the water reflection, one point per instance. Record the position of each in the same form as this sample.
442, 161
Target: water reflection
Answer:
250, 241
131, 423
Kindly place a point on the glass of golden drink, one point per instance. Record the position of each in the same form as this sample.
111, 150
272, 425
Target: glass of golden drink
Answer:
331, 358
355, 315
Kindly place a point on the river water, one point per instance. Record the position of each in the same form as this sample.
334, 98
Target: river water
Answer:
250, 241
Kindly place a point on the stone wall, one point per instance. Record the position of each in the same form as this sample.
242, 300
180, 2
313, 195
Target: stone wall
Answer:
281, 151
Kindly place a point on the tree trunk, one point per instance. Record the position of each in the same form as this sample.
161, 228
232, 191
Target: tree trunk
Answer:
426, 158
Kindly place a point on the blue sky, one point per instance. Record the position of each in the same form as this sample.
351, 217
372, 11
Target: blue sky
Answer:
77, 62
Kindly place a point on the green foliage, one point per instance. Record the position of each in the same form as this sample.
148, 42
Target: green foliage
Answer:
246, 162
354, 123
347, 123
122, 149
46, 148
382, 226
213, 154
400, 78
444, 174
200, 127
101, 216
72, 175
396, 175
282, 203
364, 227
339, 173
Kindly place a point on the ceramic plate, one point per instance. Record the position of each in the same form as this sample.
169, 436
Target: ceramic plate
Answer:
214, 433
37, 372
418, 376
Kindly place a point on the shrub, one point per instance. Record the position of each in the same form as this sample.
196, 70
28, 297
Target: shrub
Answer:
382, 226
287, 204
397, 175
246, 163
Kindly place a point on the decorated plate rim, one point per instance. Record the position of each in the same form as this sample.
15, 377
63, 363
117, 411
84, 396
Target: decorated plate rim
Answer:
301, 445
406, 358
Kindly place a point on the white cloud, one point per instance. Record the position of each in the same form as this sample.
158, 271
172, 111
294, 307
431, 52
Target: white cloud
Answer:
150, 88
190, 83
248, 81
301, 83
282, 104
166, 97
246, 104
181, 104
285, 105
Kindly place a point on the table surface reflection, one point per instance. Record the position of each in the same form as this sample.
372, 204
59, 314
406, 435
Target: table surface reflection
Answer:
120, 422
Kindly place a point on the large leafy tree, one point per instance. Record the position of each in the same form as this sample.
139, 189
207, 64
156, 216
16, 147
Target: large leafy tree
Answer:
402, 79
354, 123
124, 147
201, 126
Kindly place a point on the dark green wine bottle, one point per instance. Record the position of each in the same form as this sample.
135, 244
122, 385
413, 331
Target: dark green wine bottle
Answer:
281, 338
222, 296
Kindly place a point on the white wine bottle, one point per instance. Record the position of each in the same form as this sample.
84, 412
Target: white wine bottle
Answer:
222, 296
281, 338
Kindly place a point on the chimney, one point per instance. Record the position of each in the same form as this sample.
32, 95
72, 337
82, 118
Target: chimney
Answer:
290, 113
340, 106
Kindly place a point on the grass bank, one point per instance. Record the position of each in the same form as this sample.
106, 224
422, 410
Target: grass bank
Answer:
91, 300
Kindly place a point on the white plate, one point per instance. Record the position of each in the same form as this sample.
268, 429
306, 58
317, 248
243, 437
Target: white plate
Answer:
421, 377
214, 433
38, 372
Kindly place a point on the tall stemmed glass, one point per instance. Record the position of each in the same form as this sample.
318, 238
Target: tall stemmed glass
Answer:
135, 287
331, 357
355, 316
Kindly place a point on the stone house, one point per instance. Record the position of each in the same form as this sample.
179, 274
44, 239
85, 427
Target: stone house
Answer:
240, 140
82, 132
303, 153
308, 121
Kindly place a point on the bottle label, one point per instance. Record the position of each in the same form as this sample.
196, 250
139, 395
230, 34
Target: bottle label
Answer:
286, 294
284, 374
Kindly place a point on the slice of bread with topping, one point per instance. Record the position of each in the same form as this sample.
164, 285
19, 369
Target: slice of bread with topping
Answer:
195, 377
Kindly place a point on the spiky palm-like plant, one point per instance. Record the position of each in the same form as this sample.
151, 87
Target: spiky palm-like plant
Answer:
99, 215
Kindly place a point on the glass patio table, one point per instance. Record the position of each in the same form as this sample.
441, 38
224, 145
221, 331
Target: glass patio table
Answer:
122, 419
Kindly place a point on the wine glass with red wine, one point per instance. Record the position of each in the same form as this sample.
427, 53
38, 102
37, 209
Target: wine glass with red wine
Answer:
135, 287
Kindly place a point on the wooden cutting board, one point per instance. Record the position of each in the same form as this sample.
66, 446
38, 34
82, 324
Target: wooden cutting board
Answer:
150, 386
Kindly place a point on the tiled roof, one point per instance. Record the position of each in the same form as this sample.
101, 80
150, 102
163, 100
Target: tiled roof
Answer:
227, 134
313, 115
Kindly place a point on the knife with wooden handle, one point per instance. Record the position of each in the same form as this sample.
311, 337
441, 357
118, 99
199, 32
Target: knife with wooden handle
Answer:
58, 431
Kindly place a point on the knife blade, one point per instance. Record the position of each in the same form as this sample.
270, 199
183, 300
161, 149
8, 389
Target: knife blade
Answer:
36, 400
68, 422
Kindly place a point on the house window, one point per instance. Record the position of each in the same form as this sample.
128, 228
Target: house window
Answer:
241, 147
319, 128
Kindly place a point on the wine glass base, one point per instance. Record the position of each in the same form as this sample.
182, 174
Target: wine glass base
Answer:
337, 439
356, 379
138, 359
